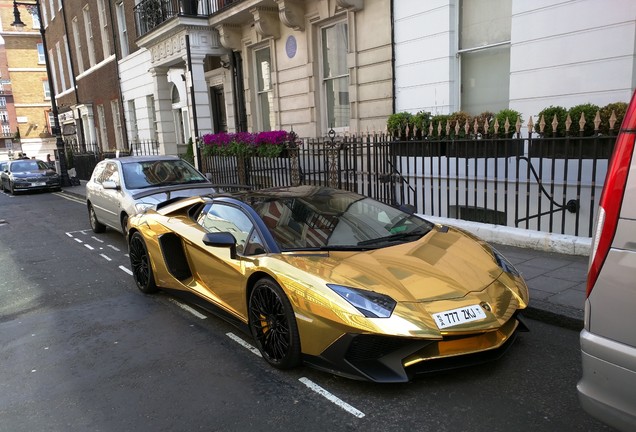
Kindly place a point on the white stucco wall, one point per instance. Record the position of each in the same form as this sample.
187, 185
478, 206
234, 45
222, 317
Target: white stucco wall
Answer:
563, 52
425, 65
571, 52
136, 84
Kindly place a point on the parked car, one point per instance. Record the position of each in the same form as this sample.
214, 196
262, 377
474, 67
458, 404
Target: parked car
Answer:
607, 389
21, 175
335, 279
121, 187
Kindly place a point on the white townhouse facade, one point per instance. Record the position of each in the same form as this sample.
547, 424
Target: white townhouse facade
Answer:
487, 55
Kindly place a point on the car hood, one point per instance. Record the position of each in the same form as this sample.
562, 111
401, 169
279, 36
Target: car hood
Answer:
164, 193
442, 265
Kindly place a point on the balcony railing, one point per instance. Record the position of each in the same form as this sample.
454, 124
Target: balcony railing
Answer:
151, 13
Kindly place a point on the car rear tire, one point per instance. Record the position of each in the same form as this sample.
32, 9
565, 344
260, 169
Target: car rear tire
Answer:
96, 225
141, 266
273, 325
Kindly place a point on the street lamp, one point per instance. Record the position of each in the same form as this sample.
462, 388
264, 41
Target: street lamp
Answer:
59, 143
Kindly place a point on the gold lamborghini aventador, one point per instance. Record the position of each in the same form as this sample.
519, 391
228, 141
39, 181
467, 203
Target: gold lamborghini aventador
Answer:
333, 279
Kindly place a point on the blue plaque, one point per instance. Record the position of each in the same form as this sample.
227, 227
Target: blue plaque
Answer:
290, 46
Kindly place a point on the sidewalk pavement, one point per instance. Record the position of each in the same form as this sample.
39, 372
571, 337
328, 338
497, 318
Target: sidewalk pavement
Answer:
556, 280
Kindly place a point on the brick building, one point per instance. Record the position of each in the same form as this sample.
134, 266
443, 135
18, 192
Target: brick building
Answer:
25, 104
80, 44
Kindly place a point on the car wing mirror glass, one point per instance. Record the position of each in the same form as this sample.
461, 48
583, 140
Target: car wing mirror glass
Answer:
221, 239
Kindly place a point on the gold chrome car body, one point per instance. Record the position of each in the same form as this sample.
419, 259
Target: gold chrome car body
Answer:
445, 270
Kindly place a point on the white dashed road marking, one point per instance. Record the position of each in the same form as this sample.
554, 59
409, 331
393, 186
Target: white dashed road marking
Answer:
188, 309
332, 398
244, 344
126, 270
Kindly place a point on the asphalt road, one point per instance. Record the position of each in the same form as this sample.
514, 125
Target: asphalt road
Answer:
82, 350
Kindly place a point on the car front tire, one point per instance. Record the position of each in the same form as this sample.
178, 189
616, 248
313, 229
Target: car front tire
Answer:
273, 325
96, 225
141, 266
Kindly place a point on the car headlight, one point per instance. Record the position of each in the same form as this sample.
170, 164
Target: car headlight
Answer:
141, 207
505, 264
369, 303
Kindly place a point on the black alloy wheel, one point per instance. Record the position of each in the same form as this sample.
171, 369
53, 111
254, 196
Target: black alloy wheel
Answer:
273, 325
96, 225
141, 266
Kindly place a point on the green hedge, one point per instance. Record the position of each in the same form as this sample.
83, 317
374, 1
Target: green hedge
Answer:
419, 125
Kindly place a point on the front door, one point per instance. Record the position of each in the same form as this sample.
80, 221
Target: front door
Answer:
219, 117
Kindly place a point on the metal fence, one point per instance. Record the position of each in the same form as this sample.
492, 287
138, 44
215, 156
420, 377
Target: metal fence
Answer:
543, 184
152, 13
82, 157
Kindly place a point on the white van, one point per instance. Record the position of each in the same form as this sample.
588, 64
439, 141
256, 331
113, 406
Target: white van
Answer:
607, 389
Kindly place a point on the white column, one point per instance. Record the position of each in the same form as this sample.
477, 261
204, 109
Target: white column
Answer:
163, 111
201, 103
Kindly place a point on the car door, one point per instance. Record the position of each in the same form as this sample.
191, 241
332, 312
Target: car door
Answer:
107, 202
220, 274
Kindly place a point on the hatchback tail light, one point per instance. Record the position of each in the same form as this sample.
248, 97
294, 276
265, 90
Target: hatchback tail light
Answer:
612, 196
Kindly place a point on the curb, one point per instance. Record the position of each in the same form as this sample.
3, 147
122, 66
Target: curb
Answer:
550, 313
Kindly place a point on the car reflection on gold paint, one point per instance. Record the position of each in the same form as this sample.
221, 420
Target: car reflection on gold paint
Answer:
333, 279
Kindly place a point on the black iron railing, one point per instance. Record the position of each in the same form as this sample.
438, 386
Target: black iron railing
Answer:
152, 13
544, 184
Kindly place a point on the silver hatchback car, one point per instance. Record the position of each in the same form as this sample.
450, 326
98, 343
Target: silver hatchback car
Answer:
122, 187
607, 389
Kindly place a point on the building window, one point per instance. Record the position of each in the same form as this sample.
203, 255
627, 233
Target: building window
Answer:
335, 75
3, 101
152, 118
123, 32
90, 42
41, 58
132, 117
264, 94
36, 20
103, 25
53, 69
484, 54
51, 121
78, 45
44, 17
47, 90
60, 67
119, 131
69, 66
103, 137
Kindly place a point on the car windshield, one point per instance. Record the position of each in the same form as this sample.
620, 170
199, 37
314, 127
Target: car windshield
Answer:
28, 165
145, 174
342, 221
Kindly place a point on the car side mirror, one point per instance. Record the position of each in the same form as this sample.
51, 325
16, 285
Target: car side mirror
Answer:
109, 184
221, 239
408, 208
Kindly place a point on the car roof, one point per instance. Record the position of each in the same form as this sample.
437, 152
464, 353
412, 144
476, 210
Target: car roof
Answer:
136, 159
304, 191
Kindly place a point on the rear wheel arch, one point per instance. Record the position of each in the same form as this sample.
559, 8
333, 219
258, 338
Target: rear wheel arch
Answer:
123, 222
